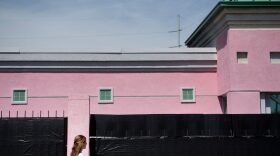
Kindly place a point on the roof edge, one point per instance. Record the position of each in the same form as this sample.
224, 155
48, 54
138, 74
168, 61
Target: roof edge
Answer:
218, 8
124, 51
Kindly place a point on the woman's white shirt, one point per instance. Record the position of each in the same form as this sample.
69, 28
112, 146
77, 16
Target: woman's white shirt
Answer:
80, 154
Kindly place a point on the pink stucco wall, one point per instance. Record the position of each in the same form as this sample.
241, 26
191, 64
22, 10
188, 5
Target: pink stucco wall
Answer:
46, 97
158, 93
74, 95
259, 75
223, 65
135, 93
243, 103
78, 120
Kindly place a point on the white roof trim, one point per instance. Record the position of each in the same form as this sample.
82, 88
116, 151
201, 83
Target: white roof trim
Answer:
167, 59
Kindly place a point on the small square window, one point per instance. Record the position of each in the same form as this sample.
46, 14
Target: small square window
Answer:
105, 95
275, 57
242, 57
19, 96
187, 95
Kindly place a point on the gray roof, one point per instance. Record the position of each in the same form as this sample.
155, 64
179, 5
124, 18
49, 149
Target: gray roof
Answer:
157, 59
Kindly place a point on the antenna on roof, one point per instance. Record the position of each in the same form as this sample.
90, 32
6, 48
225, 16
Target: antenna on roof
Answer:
178, 31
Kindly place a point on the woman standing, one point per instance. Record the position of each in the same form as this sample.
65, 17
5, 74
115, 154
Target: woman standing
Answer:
80, 143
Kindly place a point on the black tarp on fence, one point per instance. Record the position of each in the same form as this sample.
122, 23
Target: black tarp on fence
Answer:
187, 146
191, 135
184, 125
33, 136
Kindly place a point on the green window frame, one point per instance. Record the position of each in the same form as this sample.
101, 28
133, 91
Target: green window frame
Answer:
105, 95
188, 94
19, 96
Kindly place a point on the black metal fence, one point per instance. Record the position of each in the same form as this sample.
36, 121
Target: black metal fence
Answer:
33, 136
180, 135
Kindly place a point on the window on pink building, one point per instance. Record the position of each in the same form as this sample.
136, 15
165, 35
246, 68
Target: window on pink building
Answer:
242, 57
105, 95
19, 96
187, 95
275, 57
270, 103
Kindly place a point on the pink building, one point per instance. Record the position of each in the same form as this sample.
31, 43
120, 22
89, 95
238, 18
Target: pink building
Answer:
246, 36
232, 66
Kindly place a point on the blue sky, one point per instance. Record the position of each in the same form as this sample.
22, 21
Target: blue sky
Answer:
96, 25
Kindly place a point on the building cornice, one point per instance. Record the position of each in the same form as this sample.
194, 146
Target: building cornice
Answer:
181, 59
227, 15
